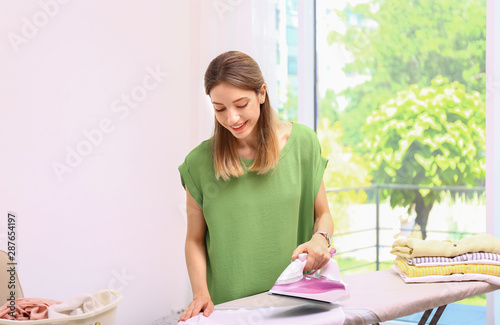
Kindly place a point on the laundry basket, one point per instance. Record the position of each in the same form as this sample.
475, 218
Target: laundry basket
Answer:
103, 316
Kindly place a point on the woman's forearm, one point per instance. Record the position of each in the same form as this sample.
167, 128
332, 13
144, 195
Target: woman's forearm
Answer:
322, 218
324, 223
196, 262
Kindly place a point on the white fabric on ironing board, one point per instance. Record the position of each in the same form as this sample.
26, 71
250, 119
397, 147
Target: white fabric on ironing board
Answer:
265, 308
299, 315
448, 278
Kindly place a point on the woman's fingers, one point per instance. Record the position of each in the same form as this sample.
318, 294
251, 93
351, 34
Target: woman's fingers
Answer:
209, 309
195, 307
317, 254
316, 260
300, 249
187, 314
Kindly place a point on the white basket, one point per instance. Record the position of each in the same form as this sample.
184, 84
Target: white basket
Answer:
103, 316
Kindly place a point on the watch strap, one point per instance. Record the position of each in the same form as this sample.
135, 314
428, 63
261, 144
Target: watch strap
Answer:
326, 235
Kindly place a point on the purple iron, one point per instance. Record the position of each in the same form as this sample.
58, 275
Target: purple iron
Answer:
323, 285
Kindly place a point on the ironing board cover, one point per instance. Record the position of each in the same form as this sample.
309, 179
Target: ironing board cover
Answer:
386, 295
382, 296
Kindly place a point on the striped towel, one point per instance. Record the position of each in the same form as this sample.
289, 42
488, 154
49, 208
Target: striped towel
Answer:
469, 258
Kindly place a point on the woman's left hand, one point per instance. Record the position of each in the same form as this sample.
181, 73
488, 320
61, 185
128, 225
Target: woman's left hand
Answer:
318, 253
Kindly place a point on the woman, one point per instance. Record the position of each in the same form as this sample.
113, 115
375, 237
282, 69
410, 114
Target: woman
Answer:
254, 192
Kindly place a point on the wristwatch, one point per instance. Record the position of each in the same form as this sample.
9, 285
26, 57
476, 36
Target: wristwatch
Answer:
326, 235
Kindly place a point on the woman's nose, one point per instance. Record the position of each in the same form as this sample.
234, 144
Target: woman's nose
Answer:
232, 116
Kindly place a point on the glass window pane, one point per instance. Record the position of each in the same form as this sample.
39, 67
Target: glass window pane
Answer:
286, 24
401, 104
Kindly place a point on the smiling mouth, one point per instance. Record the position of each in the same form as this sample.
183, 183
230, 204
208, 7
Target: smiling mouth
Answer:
239, 127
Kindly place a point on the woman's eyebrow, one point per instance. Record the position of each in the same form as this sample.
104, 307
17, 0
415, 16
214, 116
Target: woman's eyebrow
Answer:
233, 101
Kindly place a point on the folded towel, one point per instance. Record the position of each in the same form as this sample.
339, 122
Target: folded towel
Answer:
416, 271
448, 278
27, 309
414, 247
80, 304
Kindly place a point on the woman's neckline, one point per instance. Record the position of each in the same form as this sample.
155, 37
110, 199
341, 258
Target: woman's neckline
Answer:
283, 150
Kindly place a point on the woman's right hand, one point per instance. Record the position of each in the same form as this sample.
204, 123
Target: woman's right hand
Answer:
198, 304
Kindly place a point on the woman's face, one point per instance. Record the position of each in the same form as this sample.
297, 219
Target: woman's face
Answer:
236, 109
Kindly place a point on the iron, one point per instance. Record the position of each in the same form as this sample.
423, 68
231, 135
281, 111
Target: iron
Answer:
324, 285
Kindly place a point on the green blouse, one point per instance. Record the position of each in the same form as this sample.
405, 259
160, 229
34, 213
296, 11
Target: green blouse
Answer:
254, 222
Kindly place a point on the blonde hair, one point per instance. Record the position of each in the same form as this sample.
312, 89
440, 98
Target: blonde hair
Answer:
240, 70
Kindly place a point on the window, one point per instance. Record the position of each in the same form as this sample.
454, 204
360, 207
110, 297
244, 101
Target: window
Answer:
401, 116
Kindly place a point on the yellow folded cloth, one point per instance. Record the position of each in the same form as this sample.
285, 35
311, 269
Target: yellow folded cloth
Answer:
416, 271
414, 247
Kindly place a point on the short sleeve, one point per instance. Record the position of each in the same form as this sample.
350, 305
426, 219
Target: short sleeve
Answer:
318, 177
189, 183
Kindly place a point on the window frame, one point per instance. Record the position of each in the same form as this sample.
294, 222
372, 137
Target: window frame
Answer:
306, 62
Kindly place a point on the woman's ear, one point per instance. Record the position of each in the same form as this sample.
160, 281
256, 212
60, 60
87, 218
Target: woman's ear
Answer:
262, 93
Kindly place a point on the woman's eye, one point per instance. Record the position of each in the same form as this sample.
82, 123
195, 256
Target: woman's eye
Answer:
243, 106
220, 109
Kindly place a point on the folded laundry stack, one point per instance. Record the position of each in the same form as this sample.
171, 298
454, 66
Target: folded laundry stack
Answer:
473, 258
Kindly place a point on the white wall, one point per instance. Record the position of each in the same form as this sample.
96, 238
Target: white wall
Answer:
115, 220
130, 74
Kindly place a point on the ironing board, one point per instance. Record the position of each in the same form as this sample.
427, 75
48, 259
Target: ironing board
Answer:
382, 296
385, 295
